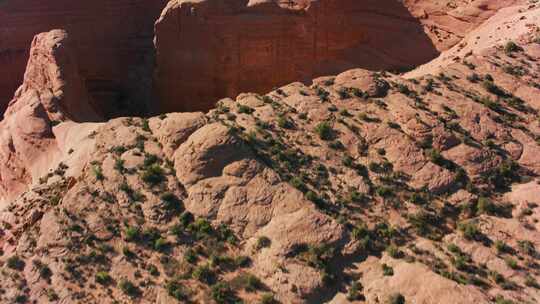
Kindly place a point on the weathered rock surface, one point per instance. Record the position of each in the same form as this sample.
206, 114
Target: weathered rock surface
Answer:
207, 50
365, 187
448, 22
52, 92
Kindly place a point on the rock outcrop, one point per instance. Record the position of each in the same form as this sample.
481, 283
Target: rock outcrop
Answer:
364, 187
447, 22
52, 95
208, 50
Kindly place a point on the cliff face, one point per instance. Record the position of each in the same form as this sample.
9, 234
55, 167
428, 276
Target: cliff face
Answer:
112, 39
208, 50
52, 92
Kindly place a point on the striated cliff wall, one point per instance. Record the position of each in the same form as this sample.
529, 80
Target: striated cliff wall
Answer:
112, 39
211, 49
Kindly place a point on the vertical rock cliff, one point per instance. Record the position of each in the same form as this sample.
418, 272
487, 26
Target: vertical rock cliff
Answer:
112, 39
208, 50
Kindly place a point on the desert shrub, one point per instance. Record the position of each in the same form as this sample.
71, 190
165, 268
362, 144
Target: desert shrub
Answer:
530, 281
132, 234
128, 288
510, 262
262, 242
103, 278
501, 300
153, 175
453, 248
511, 47
484, 205
176, 290
387, 270
384, 191
395, 298
222, 293
491, 87
150, 159
247, 281
298, 183
470, 230
171, 202
243, 109
394, 251
119, 165
324, 131
268, 298
201, 228
417, 199
161, 244
98, 173
204, 274
284, 122
15, 262
354, 292
527, 247
501, 247
190, 256
343, 93
145, 125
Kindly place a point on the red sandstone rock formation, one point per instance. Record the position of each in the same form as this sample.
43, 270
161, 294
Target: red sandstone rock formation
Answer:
448, 21
208, 50
112, 40
52, 92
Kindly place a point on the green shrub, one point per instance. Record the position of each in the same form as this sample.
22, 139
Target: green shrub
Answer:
501, 246
98, 173
394, 251
204, 274
176, 290
133, 234
354, 292
190, 256
284, 122
171, 201
103, 278
262, 242
493, 88
324, 130
470, 230
298, 183
527, 247
223, 294
201, 228
511, 47
453, 248
387, 270
160, 244
510, 262
153, 175
248, 282
484, 205
16, 263
243, 109
128, 288
395, 298
268, 298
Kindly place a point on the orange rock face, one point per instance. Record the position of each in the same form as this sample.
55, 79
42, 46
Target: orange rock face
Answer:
113, 40
208, 50
52, 92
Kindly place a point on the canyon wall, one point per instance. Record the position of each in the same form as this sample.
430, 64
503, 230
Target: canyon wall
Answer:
208, 50
111, 38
